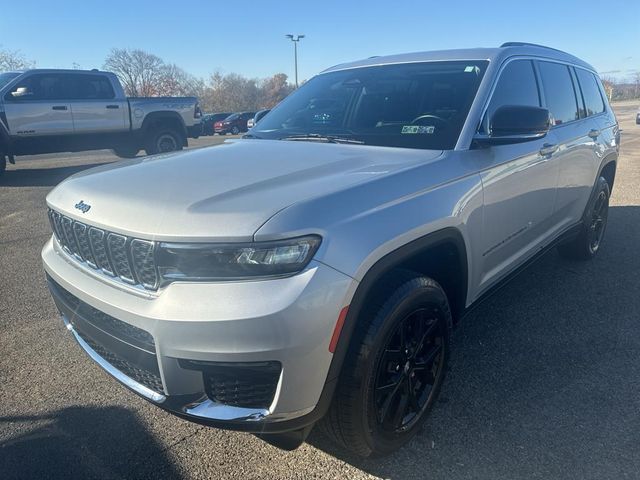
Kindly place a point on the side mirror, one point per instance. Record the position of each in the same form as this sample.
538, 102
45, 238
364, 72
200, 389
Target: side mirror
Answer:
21, 92
516, 124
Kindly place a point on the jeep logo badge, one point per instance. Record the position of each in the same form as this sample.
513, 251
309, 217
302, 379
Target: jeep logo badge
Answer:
83, 207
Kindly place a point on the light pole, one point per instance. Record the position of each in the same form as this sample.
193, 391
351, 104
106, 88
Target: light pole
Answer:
295, 39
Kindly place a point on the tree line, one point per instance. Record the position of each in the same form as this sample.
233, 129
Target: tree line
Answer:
144, 74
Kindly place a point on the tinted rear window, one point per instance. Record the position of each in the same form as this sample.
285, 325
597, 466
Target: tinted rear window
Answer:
559, 93
590, 92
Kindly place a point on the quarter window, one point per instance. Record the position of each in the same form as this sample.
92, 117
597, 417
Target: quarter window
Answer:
516, 86
590, 92
558, 92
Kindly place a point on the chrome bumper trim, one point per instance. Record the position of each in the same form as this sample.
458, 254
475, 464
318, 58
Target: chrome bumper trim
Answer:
111, 370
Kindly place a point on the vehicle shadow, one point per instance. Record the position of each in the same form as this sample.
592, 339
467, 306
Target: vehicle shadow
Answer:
41, 177
83, 443
544, 376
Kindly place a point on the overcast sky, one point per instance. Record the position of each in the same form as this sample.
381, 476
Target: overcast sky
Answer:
248, 37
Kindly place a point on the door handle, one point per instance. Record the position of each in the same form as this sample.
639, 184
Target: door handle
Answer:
59, 107
113, 106
548, 149
594, 133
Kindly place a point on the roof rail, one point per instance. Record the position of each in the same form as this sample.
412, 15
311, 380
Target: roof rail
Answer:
526, 44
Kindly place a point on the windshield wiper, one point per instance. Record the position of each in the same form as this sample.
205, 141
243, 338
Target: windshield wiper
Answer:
316, 137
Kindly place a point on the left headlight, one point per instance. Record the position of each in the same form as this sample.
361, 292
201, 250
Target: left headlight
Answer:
234, 261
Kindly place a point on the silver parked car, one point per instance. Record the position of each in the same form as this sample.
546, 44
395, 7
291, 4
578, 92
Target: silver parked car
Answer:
312, 272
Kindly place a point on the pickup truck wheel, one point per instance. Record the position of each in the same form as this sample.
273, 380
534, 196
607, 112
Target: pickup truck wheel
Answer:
163, 141
587, 243
393, 373
125, 151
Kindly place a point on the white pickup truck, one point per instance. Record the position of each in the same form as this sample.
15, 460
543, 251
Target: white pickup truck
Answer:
48, 111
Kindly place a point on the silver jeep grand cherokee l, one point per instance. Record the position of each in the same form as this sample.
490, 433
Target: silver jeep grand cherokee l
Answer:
312, 272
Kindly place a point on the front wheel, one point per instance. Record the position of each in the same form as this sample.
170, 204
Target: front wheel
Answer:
125, 151
164, 141
235, 130
393, 372
587, 243
3, 164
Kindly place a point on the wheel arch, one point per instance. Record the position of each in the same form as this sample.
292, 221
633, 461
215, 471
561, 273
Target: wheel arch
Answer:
608, 169
441, 255
156, 120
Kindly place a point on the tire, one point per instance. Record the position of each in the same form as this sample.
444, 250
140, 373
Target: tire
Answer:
163, 141
379, 372
586, 244
126, 151
235, 130
3, 164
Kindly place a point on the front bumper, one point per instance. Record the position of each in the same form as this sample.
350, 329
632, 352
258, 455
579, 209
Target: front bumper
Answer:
287, 321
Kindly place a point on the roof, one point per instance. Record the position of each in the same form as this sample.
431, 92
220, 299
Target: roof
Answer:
492, 54
59, 70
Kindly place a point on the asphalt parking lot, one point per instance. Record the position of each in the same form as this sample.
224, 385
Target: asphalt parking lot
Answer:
544, 379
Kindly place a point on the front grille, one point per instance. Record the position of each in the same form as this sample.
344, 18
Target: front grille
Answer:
148, 379
248, 385
130, 259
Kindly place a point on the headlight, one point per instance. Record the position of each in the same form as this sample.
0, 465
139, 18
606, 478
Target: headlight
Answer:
235, 261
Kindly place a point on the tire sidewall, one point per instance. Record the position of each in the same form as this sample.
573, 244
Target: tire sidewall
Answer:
602, 186
428, 295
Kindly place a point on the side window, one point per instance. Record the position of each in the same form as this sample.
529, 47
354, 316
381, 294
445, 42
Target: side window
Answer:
91, 87
516, 86
43, 86
558, 92
590, 92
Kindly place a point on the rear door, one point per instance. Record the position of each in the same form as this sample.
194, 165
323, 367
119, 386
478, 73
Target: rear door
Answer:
94, 105
38, 105
572, 128
519, 182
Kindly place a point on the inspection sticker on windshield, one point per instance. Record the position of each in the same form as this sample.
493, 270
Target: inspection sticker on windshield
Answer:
420, 129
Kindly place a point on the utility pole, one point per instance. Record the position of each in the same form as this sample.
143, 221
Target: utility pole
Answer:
295, 39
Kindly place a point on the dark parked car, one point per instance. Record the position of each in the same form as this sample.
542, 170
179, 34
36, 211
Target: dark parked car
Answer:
234, 123
210, 119
257, 117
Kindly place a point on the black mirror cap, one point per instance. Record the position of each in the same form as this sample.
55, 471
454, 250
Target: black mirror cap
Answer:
510, 120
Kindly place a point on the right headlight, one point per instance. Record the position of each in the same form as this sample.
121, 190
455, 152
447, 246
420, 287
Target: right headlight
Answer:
234, 261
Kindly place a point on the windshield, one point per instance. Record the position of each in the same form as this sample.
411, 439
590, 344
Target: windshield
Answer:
7, 77
415, 105
232, 117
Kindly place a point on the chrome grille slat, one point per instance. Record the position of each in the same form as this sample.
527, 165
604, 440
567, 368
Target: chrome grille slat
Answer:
99, 249
142, 254
80, 230
132, 260
117, 245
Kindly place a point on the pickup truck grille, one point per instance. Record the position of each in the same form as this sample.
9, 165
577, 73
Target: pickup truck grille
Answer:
132, 260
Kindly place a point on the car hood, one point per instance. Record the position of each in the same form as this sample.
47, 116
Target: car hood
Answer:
222, 193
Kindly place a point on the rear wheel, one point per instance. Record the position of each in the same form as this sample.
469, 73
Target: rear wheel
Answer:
587, 243
392, 376
163, 141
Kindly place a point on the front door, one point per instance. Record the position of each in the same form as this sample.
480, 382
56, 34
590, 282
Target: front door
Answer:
38, 106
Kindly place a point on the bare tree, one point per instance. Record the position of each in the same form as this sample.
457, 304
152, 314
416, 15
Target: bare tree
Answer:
273, 90
139, 72
13, 60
